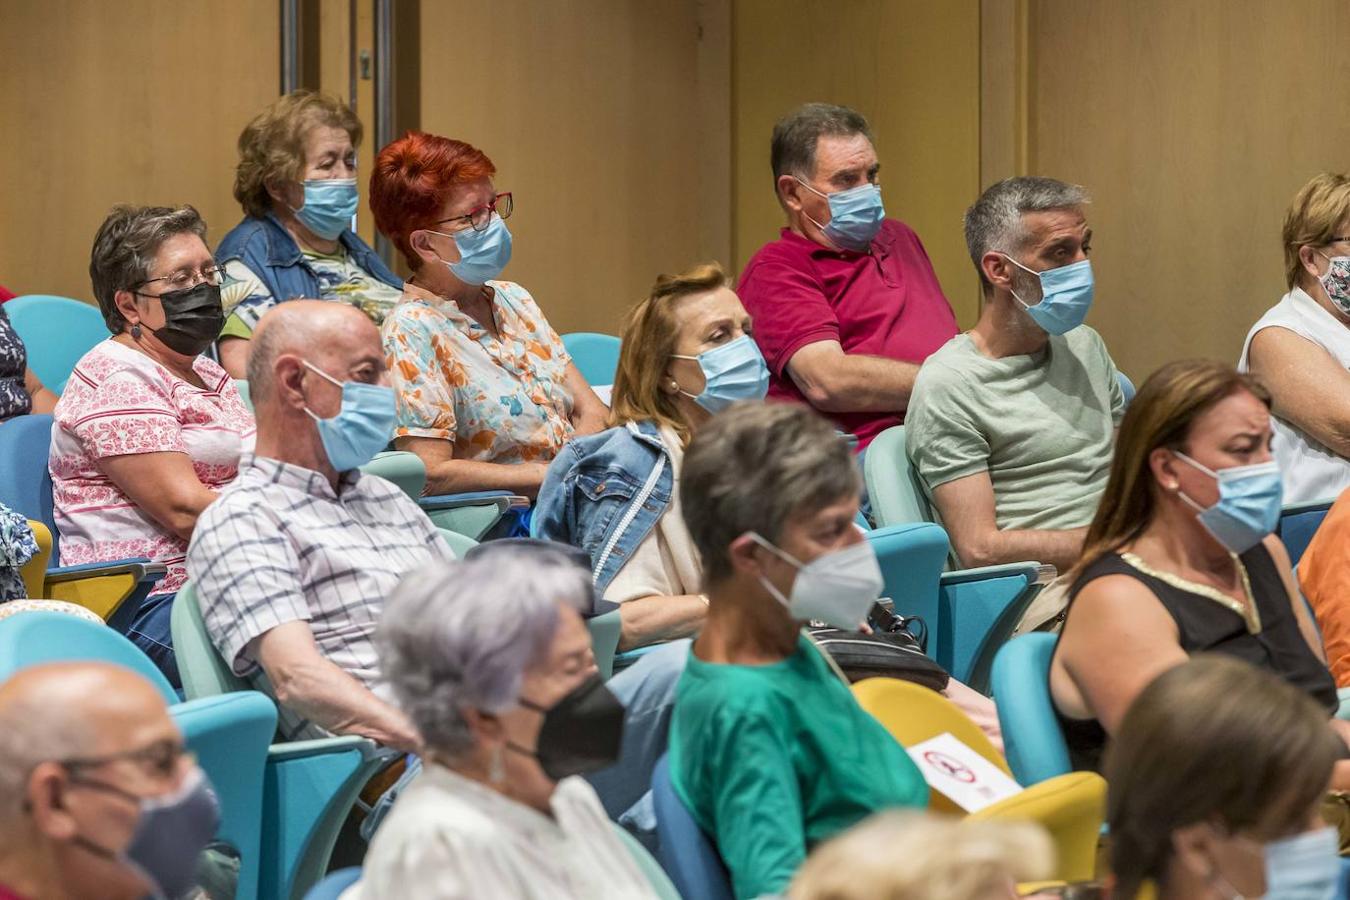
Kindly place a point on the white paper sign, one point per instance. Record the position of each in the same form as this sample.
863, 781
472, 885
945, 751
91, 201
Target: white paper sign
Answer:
960, 774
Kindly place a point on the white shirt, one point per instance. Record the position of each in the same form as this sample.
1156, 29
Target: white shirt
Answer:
449, 837
1311, 471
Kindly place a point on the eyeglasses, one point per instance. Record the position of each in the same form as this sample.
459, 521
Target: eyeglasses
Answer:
186, 278
160, 758
479, 218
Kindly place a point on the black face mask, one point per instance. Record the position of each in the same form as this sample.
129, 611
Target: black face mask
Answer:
193, 318
582, 732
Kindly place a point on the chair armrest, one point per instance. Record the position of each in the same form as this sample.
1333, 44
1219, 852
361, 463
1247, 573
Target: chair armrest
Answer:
142, 569
320, 746
1034, 572
605, 630
503, 500
1071, 808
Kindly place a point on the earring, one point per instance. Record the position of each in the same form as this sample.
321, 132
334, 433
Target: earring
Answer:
496, 767
136, 331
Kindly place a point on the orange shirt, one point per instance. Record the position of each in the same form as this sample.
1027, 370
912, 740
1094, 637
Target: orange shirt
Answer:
1324, 578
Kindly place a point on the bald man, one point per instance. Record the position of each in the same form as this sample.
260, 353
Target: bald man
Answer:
294, 562
83, 747
295, 559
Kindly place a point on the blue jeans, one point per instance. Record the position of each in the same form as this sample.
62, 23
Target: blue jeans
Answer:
148, 628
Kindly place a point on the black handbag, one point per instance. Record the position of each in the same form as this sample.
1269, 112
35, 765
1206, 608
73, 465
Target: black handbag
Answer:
892, 650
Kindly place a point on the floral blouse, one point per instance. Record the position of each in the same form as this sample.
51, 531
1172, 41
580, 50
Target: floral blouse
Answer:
500, 401
14, 399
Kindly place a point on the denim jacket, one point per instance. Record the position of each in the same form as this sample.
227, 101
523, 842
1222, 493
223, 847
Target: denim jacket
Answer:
268, 249
605, 493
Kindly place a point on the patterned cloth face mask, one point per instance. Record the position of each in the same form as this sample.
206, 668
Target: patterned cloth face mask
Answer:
1336, 281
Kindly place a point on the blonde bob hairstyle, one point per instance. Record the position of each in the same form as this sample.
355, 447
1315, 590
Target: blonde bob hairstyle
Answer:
272, 146
955, 859
649, 335
1160, 415
1315, 216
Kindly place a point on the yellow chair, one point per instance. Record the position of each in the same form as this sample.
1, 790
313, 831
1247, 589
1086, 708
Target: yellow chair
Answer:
1070, 807
100, 590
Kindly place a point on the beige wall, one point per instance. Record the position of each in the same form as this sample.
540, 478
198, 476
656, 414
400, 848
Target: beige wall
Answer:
137, 101
596, 114
1192, 124
912, 67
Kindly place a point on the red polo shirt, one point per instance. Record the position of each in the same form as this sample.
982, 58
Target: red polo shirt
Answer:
886, 302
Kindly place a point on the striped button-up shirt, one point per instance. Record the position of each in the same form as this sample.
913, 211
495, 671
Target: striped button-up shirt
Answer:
280, 545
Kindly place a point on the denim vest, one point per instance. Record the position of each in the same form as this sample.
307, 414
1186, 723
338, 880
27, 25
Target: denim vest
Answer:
605, 493
268, 249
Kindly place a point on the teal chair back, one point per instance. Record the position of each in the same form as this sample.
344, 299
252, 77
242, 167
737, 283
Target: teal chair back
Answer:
242, 385
56, 332
911, 558
893, 487
1298, 524
688, 855
204, 673
230, 735
32, 638
1126, 386
404, 469
596, 355
25, 482
980, 610
459, 543
1032, 739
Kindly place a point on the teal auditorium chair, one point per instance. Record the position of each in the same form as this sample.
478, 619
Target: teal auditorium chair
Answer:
56, 332
309, 787
596, 355
229, 735
1298, 524
893, 486
969, 613
1032, 739
687, 853
26, 488
474, 513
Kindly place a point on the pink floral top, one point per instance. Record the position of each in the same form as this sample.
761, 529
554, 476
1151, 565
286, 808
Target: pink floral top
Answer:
500, 401
120, 401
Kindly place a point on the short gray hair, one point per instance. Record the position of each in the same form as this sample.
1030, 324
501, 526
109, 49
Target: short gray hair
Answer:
793, 150
32, 732
125, 248
461, 635
994, 222
755, 466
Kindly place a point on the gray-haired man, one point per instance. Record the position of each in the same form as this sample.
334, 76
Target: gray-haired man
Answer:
1011, 424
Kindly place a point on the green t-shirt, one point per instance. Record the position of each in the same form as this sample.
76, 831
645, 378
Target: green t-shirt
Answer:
773, 759
1043, 425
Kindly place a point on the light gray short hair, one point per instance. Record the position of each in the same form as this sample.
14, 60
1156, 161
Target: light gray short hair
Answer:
755, 466
994, 222
125, 248
461, 635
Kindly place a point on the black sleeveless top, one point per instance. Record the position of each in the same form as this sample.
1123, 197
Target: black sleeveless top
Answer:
1212, 623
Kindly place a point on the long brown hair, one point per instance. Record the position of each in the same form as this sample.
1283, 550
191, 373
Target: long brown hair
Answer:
649, 335
1214, 739
1161, 415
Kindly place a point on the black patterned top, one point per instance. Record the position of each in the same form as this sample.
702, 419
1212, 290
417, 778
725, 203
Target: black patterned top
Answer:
14, 399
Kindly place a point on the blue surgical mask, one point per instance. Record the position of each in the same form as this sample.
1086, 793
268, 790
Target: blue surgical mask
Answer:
734, 371
1248, 507
329, 206
482, 254
1066, 296
855, 216
363, 426
1303, 867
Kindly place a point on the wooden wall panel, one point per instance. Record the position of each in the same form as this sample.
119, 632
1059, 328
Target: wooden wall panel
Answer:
593, 112
1192, 124
912, 67
138, 101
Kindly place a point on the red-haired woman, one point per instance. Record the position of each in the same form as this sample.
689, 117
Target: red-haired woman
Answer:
486, 393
